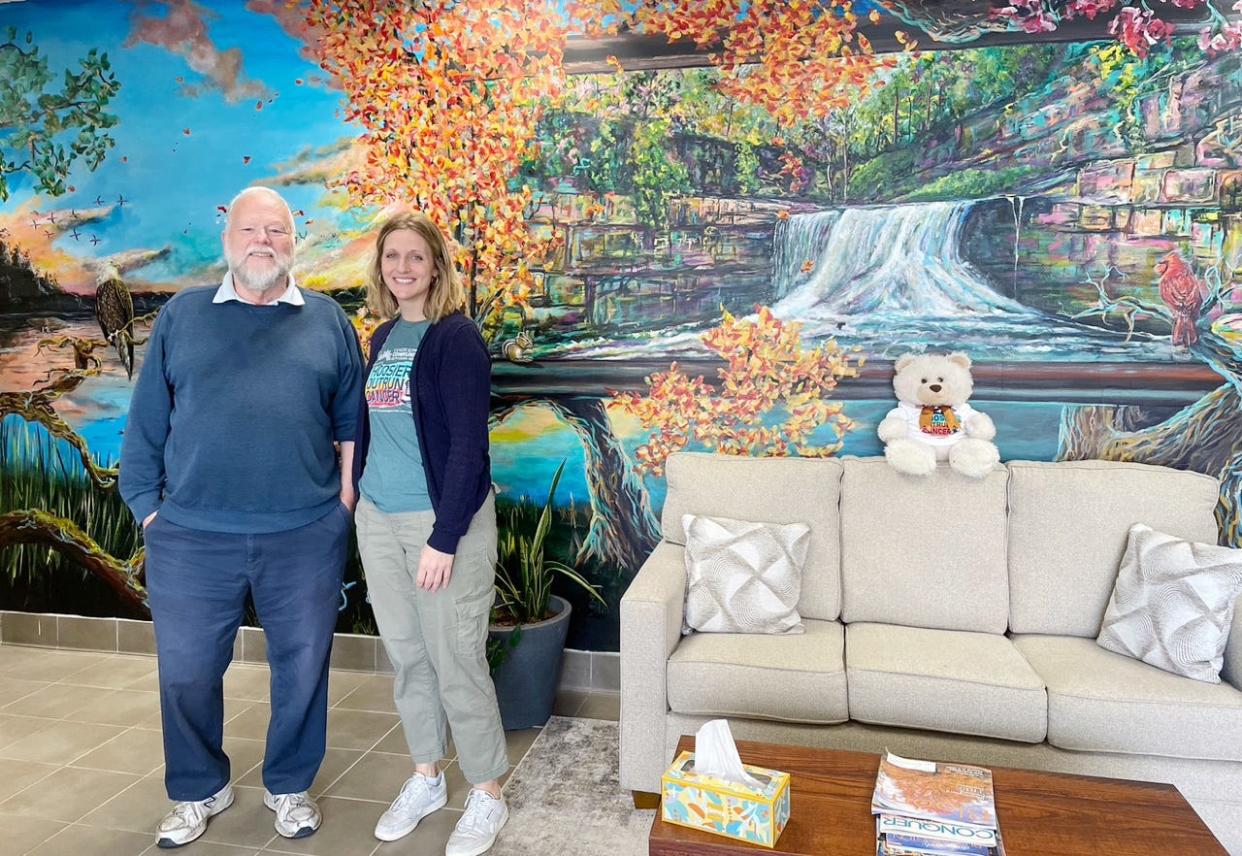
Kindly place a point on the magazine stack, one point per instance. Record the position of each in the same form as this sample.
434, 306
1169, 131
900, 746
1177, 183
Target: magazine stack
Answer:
923, 808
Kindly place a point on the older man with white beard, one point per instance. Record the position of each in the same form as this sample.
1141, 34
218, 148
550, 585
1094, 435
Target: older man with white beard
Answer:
230, 463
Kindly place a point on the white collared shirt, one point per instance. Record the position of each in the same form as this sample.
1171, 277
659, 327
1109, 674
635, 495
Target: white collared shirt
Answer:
227, 291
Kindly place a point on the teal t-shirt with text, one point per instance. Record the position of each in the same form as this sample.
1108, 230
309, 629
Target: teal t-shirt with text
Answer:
394, 479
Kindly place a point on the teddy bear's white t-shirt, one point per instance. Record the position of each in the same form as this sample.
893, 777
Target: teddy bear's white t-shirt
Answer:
940, 429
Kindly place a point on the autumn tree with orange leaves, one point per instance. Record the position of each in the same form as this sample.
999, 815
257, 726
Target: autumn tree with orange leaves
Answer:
766, 372
448, 95
774, 50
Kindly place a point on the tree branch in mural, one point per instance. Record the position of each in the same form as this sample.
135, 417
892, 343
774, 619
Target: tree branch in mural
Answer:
1129, 307
32, 121
63, 536
1205, 437
766, 373
36, 406
623, 530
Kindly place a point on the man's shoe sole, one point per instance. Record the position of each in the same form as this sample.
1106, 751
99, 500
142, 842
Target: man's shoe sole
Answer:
169, 844
441, 804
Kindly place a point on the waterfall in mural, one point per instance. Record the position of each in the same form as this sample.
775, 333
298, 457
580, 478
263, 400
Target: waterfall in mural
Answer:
889, 278
894, 259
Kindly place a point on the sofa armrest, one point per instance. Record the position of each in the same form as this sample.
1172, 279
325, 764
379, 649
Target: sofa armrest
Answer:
651, 615
1232, 672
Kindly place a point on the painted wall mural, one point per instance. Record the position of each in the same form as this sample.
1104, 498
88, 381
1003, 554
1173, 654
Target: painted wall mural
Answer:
673, 238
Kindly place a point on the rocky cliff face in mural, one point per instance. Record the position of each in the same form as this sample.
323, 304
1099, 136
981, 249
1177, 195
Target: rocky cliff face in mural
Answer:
685, 257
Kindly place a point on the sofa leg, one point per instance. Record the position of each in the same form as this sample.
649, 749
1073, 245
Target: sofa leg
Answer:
644, 800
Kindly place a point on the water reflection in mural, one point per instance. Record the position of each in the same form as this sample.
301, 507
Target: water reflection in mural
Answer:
1069, 213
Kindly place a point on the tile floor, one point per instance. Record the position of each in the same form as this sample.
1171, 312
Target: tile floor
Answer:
81, 763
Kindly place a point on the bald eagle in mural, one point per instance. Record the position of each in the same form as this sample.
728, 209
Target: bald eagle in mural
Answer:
114, 310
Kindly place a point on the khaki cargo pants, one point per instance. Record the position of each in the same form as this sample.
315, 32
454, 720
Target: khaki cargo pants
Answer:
437, 640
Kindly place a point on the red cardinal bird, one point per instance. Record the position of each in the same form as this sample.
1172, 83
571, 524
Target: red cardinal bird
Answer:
1184, 294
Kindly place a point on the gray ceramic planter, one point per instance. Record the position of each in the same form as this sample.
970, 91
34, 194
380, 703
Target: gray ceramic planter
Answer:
527, 679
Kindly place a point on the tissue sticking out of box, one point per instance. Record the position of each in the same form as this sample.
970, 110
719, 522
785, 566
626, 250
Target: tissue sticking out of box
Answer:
715, 754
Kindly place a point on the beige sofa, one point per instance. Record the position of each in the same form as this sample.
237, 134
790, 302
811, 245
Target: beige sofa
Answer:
945, 618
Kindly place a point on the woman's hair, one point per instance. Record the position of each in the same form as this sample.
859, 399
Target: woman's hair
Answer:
446, 294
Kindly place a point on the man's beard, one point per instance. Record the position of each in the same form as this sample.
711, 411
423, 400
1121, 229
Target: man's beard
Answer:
260, 282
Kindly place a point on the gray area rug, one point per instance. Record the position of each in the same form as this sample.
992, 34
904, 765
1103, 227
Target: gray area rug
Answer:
565, 798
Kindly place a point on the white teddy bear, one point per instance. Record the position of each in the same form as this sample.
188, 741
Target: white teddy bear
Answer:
932, 421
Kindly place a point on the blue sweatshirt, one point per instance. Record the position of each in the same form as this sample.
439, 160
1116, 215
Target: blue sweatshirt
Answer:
233, 418
450, 387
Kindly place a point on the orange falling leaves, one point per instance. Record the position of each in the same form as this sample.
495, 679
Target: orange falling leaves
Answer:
766, 371
808, 266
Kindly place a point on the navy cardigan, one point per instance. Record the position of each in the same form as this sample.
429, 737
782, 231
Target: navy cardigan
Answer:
450, 389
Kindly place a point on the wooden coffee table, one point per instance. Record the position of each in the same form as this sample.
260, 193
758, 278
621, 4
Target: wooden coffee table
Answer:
1041, 814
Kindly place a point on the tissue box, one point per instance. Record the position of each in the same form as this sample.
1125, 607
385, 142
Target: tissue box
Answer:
724, 807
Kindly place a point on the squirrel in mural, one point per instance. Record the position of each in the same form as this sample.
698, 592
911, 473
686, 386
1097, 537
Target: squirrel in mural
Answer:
516, 350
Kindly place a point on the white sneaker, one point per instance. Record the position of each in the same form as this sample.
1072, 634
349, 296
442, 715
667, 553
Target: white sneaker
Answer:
188, 820
297, 816
419, 797
480, 823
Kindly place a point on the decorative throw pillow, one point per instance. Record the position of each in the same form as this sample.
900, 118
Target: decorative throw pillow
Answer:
743, 577
1173, 603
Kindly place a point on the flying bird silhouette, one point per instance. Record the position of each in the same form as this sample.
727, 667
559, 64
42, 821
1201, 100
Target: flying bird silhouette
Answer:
99, 200
114, 310
95, 239
121, 200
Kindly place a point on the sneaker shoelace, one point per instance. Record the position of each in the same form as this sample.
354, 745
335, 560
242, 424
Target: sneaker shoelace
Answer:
411, 791
191, 814
474, 819
287, 806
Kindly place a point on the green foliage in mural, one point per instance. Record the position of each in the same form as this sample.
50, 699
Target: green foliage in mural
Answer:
747, 166
972, 184
884, 172
37, 126
1126, 79
43, 473
606, 166
657, 177
938, 89
524, 571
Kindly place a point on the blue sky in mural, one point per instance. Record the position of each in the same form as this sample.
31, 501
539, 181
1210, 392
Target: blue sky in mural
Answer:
173, 181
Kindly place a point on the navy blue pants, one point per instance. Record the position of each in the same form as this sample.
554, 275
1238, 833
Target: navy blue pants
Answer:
197, 584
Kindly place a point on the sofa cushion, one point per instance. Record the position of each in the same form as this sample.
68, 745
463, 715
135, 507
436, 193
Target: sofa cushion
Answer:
744, 577
1068, 527
786, 678
1173, 604
766, 490
1099, 701
943, 680
923, 551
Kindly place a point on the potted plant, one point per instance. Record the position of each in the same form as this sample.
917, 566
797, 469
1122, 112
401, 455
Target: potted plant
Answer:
529, 623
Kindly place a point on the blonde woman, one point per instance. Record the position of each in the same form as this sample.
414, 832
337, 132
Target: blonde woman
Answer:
426, 524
